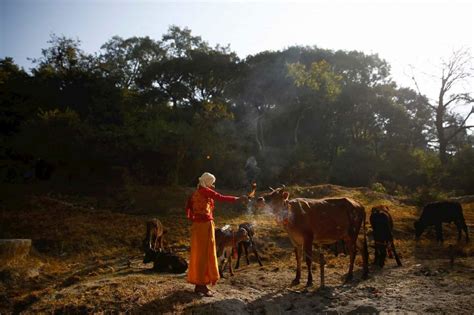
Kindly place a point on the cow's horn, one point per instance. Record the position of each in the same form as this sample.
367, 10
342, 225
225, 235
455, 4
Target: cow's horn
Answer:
271, 188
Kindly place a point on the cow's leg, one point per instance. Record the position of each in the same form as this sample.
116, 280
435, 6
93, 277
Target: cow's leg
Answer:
239, 253
322, 262
308, 253
246, 249
376, 255
254, 249
464, 227
155, 239
298, 254
161, 243
389, 250
399, 262
459, 227
383, 254
352, 254
230, 262
439, 232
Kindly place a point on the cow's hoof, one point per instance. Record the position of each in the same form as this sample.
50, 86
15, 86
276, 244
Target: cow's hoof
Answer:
349, 278
309, 284
295, 282
365, 276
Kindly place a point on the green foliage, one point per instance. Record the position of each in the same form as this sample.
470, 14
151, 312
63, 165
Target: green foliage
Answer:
423, 195
461, 172
354, 166
378, 187
53, 129
167, 110
318, 78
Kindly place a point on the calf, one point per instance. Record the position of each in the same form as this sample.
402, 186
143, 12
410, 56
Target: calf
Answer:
169, 262
382, 227
226, 242
438, 212
165, 261
154, 235
245, 244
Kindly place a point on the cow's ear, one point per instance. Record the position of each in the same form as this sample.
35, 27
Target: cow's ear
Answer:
286, 195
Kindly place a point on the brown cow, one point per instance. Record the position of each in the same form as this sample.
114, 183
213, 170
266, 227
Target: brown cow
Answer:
226, 245
154, 235
322, 221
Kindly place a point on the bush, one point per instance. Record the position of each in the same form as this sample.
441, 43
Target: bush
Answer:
424, 195
378, 187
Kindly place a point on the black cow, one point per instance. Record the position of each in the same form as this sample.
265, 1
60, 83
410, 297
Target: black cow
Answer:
382, 227
438, 212
165, 261
245, 244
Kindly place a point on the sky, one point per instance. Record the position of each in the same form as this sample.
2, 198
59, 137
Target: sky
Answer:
411, 35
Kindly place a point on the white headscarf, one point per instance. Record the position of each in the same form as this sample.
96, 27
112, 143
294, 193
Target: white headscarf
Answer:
206, 180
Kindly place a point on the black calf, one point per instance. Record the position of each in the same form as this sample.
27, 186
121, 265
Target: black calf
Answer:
244, 245
382, 226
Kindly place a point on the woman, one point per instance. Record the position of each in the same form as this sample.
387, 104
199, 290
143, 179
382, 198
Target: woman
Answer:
203, 269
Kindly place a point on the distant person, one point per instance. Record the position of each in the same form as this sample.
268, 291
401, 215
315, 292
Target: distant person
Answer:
203, 269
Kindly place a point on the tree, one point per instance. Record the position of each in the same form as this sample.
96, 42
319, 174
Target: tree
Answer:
15, 86
319, 79
454, 72
62, 56
123, 60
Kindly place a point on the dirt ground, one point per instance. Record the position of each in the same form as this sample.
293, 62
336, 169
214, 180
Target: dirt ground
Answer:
419, 286
100, 281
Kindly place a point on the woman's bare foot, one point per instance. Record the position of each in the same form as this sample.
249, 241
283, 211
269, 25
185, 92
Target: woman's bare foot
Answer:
202, 289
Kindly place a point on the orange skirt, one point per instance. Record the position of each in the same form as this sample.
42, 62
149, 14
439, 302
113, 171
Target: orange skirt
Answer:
203, 269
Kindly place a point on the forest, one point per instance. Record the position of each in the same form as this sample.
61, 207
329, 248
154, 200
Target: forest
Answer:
160, 112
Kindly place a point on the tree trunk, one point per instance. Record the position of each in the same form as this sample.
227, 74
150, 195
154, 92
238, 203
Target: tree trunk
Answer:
298, 123
297, 127
443, 144
259, 133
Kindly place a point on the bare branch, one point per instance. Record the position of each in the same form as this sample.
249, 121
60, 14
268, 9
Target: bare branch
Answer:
459, 97
462, 126
418, 88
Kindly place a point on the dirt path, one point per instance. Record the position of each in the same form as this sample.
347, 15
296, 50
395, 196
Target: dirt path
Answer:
419, 286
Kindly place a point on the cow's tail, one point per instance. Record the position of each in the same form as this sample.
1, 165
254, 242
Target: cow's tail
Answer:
365, 250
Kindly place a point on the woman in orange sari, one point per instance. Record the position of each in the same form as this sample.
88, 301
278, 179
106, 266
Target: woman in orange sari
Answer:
203, 269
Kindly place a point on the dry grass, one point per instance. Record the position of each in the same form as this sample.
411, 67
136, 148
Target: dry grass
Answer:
73, 238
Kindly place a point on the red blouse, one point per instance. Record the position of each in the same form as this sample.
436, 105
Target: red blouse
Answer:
200, 206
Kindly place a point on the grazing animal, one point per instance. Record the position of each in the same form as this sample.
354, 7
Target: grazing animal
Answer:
438, 212
226, 242
382, 227
245, 244
165, 261
323, 221
154, 236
